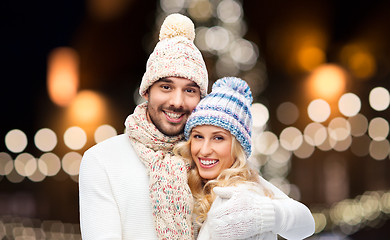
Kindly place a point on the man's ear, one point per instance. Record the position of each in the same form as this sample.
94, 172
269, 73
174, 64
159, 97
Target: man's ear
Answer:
146, 95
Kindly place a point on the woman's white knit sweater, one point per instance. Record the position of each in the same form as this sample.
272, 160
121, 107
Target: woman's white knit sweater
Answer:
261, 218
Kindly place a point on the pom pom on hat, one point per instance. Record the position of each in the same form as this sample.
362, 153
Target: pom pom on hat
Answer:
235, 84
228, 107
176, 55
177, 25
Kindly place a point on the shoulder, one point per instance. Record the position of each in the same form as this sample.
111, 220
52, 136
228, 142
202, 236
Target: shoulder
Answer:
116, 145
116, 149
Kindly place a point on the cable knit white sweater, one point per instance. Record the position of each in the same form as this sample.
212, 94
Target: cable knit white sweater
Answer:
114, 193
115, 201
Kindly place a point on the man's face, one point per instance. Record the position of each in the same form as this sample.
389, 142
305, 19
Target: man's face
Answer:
170, 103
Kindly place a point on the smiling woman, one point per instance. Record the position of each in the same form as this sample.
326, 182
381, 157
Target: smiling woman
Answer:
211, 150
231, 200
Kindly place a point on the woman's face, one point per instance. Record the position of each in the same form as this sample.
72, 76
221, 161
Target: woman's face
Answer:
211, 150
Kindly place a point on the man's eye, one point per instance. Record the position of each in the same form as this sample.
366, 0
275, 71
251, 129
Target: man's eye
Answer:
165, 87
190, 91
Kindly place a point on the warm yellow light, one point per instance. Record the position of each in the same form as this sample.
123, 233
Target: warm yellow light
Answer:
107, 9
327, 82
63, 75
362, 65
88, 107
359, 60
310, 57
200, 10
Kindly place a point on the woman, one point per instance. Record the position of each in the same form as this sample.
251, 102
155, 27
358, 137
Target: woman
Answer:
219, 143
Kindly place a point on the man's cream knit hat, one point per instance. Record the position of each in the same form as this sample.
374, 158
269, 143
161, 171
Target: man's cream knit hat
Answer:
176, 55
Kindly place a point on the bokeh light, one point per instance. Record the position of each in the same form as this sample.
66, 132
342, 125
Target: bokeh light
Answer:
304, 151
327, 82
378, 129
104, 132
359, 60
6, 163
359, 125
107, 10
318, 110
315, 134
244, 53
16, 141
349, 104
310, 57
291, 138
266, 143
287, 113
379, 98
75, 138
379, 150
25, 164
260, 115
45, 140
172, 6
328, 144
217, 38
87, 108
343, 145
339, 129
49, 164
71, 163
200, 10
37, 176
14, 177
63, 75
320, 221
229, 11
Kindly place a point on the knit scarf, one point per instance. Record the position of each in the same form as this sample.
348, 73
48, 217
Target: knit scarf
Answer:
171, 196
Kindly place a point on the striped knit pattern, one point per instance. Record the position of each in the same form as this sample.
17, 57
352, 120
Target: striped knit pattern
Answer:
228, 107
170, 194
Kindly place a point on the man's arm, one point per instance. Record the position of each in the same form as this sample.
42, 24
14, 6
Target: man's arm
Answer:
99, 214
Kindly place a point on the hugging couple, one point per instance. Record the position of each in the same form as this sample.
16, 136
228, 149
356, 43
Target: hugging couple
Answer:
180, 170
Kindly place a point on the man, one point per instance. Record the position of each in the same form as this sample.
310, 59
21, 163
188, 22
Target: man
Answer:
131, 186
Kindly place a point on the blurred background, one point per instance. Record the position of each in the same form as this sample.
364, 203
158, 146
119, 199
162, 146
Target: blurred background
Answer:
319, 72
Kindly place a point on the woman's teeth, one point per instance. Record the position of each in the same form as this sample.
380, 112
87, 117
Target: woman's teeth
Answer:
208, 162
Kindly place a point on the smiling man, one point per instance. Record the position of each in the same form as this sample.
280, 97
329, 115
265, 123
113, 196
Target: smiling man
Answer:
170, 102
131, 187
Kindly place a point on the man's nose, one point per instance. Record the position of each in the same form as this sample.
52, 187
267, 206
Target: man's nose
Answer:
177, 99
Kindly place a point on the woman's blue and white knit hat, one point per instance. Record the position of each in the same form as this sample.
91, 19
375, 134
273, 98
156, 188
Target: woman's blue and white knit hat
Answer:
228, 107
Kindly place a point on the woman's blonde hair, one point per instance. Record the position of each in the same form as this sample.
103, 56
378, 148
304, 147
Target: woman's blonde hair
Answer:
238, 173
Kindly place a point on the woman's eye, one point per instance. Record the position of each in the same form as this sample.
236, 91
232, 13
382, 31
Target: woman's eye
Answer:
198, 136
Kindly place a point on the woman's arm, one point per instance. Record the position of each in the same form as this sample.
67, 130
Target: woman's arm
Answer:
293, 220
247, 213
99, 214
